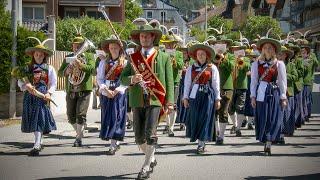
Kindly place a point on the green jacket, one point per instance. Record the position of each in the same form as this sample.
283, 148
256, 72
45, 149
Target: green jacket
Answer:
88, 68
225, 70
176, 70
292, 77
241, 81
309, 69
298, 85
163, 70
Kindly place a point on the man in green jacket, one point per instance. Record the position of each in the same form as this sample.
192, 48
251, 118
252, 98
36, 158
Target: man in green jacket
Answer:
310, 63
78, 83
225, 63
149, 68
176, 57
240, 80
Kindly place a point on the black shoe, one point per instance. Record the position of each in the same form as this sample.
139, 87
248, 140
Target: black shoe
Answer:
118, 147
143, 174
244, 123
238, 133
200, 150
219, 141
166, 130
170, 133
35, 151
129, 125
77, 143
250, 126
182, 127
233, 130
111, 151
307, 119
267, 151
152, 165
282, 141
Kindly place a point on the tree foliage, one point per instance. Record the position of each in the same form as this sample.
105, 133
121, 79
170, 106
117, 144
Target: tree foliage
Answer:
93, 29
6, 44
132, 10
260, 25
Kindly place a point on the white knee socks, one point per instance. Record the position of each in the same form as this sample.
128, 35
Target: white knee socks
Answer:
143, 148
239, 119
79, 131
37, 139
149, 157
172, 118
222, 129
114, 144
201, 143
233, 118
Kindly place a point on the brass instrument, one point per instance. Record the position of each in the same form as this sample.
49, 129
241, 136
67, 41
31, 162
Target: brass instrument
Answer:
240, 63
77, 75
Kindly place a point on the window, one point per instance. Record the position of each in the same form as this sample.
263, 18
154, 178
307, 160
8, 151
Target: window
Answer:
33, 13
163, 15
72, 12
149, 15
94, 13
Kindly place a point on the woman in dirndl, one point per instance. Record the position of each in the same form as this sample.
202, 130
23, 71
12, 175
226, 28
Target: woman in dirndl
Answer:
201, 96
113, 94
38, 80
268, 92
292, 75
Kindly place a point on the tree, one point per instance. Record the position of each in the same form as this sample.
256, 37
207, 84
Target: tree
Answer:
95, 30
132, 10
260, 25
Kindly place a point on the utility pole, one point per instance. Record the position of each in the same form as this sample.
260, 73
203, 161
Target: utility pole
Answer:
12, 106
206, 13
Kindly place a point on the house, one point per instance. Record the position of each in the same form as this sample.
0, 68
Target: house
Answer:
166, 14
38, 10
200, 21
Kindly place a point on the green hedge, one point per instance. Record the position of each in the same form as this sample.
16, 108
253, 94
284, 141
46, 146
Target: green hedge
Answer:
6, 45
94, 30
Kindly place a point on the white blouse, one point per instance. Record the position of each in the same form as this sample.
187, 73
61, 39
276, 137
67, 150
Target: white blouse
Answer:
103, 83
281, 78
215, 82
52, 83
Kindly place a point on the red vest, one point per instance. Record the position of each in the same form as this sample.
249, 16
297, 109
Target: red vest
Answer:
272, 74
205, 76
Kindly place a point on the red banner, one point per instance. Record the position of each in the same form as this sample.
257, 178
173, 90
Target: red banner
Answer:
153, 83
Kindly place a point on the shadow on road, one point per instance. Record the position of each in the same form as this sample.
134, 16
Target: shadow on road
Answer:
123, 176
306, 176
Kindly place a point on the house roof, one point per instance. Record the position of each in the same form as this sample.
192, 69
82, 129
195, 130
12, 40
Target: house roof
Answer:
215, 12
158, 4
92, 3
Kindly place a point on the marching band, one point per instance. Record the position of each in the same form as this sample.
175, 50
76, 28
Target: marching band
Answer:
265, 83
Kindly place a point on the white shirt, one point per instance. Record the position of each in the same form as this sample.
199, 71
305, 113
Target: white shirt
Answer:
52, 83
102, 82
215, 82
281, 78
150, 51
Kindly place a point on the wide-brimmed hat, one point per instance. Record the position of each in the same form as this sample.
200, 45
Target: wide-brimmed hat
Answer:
293, 47
276, 44
203, 46
220, 38
78, 39
112, 39
144, 27
289, 52
40, 47
168, 39
237, 45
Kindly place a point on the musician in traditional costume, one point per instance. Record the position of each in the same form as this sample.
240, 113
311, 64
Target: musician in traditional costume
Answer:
181, 110
298, 84
310, 64
268, 92
248, 109
225, 63
113, 94
239, 74
38, 80
78, 74
292, 75
151, 80
170, 41
201, 96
